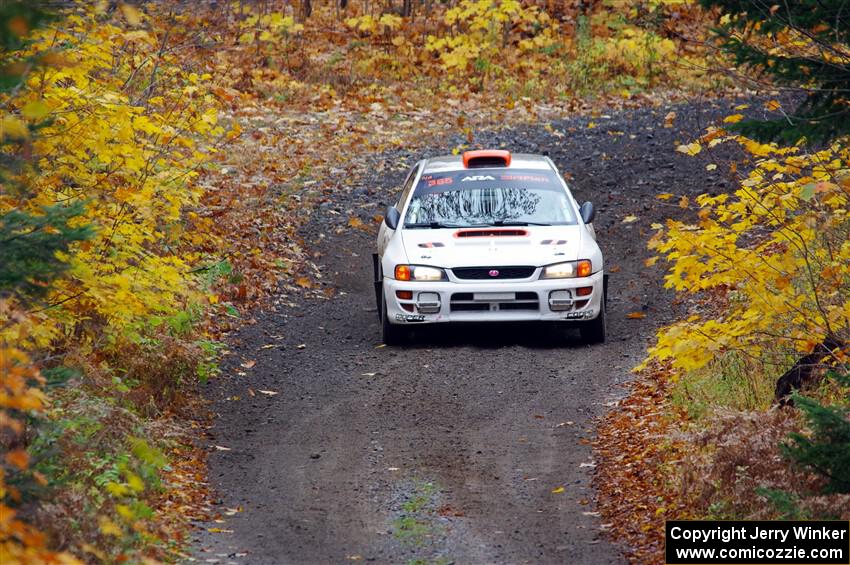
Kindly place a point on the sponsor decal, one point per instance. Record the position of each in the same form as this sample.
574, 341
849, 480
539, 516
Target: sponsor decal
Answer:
579, 315
410, 317
477, 178
528, 178
438, 182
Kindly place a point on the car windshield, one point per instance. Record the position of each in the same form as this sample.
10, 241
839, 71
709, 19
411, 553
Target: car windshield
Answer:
489, 197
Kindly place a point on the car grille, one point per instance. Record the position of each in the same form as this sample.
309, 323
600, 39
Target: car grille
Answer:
484, 273
463, 302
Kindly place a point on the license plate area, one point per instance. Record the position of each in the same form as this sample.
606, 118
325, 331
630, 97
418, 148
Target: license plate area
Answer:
493, 296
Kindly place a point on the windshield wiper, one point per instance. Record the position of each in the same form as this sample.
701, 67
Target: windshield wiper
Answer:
518, 223
432, 225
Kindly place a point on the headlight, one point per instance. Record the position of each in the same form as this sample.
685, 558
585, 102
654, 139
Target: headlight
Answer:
568, 270
419, 273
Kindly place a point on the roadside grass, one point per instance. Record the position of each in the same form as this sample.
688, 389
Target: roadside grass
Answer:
101, 465
732, 382
415, 524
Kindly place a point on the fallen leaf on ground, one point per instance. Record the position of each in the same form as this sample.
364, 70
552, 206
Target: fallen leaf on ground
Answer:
635, 315
690, 149
268, 392
629, 219
249, 364
558, 490
222, 448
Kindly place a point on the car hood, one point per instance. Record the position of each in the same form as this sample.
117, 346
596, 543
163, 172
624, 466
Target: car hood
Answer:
498, 246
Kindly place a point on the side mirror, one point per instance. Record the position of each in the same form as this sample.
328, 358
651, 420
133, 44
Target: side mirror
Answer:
392, 217
587, 212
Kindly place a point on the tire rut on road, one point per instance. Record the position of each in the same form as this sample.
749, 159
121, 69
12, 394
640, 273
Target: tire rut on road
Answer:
448, 450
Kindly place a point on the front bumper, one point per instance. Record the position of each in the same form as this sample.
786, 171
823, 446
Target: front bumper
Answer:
491, 301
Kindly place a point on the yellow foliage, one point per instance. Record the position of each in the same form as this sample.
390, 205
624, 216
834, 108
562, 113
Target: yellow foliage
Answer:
485, 27
119, 125
772, 259
106, 140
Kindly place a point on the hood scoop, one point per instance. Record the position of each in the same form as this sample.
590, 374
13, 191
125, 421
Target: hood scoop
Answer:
491, 232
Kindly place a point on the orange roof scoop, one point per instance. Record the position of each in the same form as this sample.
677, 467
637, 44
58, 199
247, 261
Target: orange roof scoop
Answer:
486, 158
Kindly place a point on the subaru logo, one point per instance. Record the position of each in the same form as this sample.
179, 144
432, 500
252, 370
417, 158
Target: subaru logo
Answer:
494, 273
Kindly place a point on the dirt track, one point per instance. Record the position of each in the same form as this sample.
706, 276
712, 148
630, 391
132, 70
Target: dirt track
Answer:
447, 451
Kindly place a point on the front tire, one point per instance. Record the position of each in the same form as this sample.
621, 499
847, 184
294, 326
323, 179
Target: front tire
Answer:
390, 333
594, 331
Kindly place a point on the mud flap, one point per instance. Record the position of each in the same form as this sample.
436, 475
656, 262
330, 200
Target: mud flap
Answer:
605, 289
376, 273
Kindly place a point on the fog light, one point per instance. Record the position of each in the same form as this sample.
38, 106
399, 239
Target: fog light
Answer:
428, 302
560, 300
584, 291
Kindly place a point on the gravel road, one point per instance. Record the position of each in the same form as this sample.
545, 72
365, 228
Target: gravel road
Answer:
470, 446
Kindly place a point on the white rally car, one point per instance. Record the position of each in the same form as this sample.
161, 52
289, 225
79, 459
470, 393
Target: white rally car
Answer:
484, 237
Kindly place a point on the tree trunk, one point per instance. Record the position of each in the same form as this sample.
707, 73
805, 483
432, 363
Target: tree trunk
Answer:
805, 370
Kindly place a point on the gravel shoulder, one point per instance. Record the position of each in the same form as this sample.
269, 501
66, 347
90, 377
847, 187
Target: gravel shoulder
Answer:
449, 450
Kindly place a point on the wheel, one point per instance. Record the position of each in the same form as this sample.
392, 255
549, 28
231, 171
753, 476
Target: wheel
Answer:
392, 334
594, 331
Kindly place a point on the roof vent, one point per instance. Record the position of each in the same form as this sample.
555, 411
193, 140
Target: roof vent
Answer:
486, 158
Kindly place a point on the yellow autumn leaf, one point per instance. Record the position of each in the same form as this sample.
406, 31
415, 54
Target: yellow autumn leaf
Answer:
117, 489
12, 127
35, 110
690, 148
131, 13
558, 490
125, 512
109, 528
135, 482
